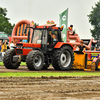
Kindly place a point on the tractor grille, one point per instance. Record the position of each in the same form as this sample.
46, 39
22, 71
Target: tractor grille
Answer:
19, 51
19, 44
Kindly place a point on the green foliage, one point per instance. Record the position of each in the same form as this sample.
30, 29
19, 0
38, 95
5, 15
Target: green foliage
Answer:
5, 25
94, 19
22, 63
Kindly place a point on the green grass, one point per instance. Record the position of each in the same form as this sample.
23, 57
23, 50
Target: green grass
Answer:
1, 63
22, 63
48, 74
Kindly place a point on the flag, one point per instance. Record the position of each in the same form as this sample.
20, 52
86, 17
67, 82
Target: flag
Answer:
63, 20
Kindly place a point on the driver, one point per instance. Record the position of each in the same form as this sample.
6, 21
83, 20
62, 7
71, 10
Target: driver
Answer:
52, 34
54, 37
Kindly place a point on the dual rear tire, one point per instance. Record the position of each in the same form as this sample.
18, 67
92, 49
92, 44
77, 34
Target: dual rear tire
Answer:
63, 58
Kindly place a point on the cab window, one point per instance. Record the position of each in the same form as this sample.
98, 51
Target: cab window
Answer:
36, 38
53, 36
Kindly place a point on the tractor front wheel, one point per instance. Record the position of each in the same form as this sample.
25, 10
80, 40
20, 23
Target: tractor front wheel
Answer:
35, 60
8, 60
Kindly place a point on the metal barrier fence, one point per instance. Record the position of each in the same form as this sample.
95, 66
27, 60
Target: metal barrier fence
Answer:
1, 55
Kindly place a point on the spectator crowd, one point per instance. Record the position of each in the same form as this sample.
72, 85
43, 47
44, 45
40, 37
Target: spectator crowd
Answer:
6, 45
82, 48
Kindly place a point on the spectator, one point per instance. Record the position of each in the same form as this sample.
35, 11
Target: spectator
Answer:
6, 42
77, 48
8, 46
25, 41
11, 45
94, 49
82, 47
99, 48
71, 30
4, 47
74, 47
0, 45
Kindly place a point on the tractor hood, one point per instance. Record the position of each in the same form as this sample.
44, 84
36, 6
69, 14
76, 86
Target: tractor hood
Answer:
32, 45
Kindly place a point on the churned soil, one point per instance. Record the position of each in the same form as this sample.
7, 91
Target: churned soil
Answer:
48, 88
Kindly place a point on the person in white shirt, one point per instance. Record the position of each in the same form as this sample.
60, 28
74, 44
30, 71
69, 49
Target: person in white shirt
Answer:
11, 45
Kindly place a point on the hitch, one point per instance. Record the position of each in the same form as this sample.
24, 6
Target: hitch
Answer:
17, 58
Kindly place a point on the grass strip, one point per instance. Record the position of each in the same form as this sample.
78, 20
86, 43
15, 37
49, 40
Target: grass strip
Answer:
48, 74
22, 63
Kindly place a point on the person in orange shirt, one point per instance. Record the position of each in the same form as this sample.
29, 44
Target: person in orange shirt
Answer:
71, 30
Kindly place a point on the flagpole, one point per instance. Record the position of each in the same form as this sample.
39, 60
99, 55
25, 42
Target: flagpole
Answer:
67, 21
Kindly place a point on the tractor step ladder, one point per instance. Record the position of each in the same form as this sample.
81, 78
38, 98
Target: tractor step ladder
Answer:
49, 59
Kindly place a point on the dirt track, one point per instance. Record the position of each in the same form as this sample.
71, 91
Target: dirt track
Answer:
22, 68
49, 89
57, 88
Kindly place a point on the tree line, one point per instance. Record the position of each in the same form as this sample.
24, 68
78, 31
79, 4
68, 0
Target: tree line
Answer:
94, 20
5, 25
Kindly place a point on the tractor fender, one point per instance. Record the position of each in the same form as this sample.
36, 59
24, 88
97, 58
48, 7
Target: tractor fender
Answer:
94, 60
60, 44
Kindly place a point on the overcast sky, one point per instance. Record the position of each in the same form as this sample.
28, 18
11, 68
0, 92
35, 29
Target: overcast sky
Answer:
42, 10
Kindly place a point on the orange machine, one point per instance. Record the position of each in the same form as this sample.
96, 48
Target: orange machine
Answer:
18, 30
89, 60
77, 40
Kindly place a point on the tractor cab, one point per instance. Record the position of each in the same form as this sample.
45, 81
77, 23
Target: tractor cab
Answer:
44, 37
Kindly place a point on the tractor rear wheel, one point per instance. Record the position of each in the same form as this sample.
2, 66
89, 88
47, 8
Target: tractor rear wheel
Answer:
35, 60
63, 58
8, 60
98, 64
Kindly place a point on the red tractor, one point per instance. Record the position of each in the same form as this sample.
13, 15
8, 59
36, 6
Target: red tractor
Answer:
44, 47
